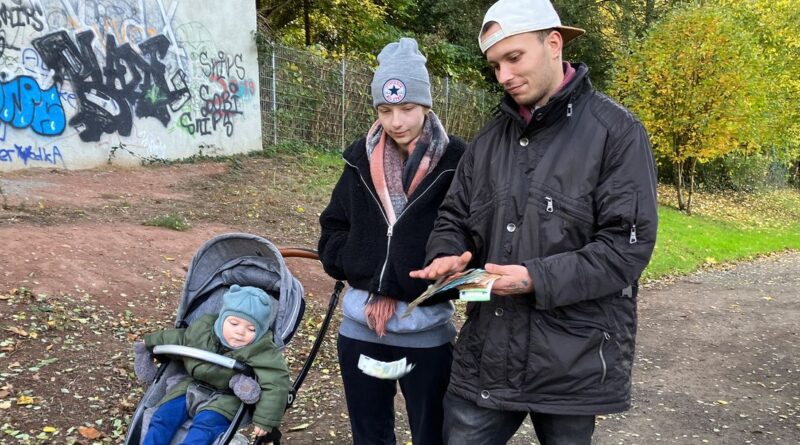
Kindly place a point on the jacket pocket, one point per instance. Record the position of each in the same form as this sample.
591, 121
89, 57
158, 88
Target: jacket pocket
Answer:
568, 357
564, 224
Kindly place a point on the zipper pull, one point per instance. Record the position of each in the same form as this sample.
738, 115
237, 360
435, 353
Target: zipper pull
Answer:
633, 235
569, 109
549, 204
389, 231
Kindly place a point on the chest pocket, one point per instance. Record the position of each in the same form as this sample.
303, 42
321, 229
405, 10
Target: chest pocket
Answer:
564, 224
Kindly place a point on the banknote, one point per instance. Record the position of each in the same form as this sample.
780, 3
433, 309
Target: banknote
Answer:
383, 370
473, 284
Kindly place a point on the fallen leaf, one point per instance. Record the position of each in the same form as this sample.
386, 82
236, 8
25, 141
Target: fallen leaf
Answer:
18, 331
300, 427
6, 404
25, 400
89, 432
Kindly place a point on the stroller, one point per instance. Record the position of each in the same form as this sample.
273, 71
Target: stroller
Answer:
247, 260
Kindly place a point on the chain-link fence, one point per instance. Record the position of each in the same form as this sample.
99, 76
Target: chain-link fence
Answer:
327, 104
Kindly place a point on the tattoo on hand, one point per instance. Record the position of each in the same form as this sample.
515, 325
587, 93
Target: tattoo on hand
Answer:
521, 285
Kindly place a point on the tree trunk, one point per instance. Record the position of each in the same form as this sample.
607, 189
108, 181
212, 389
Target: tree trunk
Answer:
649, 14
679, 183
692, 171
307, 20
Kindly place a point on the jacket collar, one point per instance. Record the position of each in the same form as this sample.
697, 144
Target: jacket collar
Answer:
559, 106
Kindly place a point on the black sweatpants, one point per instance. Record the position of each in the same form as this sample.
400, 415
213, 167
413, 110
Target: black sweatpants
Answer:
370, 401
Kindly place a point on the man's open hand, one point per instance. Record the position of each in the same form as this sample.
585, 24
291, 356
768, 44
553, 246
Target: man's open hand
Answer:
443, 266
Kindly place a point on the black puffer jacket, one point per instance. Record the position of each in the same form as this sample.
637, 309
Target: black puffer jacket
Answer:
571, 196
356, 243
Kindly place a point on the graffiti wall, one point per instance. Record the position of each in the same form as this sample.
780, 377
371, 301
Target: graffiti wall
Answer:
87, 82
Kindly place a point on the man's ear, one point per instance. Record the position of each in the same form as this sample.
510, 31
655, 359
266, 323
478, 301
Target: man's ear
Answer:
555, 43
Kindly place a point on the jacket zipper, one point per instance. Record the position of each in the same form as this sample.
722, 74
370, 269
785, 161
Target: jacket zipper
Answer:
633, 239
390, 227
390, 230
570, 213
606, 337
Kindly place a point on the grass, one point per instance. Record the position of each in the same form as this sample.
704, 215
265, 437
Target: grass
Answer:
724, 228
174, 222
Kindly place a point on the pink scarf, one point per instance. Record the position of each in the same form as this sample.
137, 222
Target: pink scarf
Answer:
395, 179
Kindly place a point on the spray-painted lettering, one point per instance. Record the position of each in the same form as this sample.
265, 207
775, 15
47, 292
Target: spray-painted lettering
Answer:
19, 15
28, 154
222, 66
220, 108
24, 104
129, 84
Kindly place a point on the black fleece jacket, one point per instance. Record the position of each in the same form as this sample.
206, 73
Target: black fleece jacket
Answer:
357, 243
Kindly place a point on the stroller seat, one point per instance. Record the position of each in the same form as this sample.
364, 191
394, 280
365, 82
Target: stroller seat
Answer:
234, 258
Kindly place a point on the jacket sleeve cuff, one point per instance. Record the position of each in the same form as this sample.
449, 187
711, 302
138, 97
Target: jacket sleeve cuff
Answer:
539, 294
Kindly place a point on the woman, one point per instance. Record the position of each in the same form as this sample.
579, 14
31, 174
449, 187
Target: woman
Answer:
373, 234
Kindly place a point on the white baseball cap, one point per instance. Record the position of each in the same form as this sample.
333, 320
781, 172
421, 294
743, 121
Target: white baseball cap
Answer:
520, 16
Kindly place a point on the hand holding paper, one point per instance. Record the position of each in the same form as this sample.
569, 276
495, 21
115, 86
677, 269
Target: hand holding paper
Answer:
474, 284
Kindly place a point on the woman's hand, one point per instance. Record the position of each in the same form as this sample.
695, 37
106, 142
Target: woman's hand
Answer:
378, 311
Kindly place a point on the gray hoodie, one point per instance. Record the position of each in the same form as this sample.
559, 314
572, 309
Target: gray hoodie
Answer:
426, 327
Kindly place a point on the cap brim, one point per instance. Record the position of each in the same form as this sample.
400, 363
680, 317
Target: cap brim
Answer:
568, 33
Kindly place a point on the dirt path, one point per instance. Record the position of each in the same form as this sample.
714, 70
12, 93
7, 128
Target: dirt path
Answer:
718, 359
717, 354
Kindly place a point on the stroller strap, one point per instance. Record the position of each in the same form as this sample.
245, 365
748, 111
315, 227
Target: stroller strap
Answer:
199, 395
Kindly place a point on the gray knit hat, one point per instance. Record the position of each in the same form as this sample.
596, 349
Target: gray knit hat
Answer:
401, 76
250, 303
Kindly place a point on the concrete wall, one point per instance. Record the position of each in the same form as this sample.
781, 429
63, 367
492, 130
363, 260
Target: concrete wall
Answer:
83, 82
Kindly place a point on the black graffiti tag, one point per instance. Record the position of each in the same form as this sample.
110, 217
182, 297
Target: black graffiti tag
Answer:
18, 15
129, 84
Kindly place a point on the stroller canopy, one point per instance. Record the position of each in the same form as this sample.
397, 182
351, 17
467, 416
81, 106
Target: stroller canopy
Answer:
246, 260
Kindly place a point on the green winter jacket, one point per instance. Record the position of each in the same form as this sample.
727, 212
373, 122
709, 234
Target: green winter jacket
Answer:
263, 356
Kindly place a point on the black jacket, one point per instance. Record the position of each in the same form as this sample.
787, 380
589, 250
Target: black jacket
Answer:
357, 243
571, 196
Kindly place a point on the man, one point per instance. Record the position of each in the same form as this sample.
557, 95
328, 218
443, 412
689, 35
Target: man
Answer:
558, 195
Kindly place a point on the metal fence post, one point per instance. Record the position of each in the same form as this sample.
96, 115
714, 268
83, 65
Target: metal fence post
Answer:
344, 106
274, 101
446, 101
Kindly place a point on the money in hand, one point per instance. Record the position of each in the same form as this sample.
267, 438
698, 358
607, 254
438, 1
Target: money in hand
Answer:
383, 370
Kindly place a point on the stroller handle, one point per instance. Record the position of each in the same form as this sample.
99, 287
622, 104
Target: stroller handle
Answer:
200, 354
299, 252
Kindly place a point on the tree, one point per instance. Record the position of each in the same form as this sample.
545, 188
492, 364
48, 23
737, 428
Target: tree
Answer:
776, 26
696, 82
611, 27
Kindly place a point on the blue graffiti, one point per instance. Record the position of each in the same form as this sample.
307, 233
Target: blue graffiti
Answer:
28, 154
24, 104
